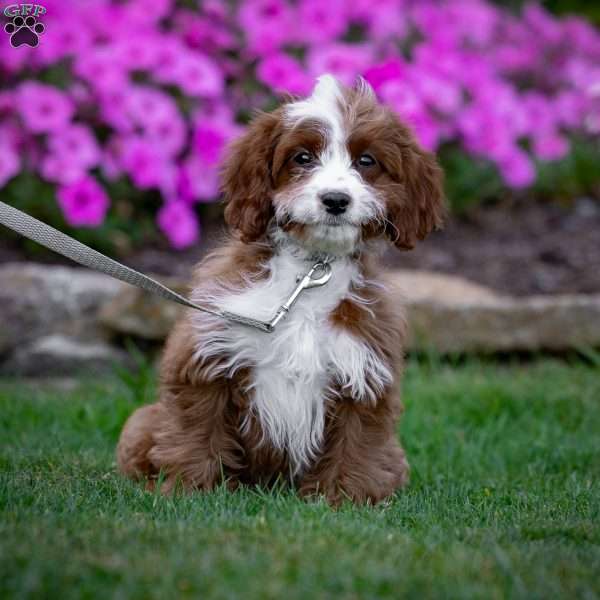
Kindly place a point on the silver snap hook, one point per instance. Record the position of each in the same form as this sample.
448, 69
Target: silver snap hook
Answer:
317, 280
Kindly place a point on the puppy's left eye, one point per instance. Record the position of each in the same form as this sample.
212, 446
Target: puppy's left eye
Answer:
366, 160
303, 158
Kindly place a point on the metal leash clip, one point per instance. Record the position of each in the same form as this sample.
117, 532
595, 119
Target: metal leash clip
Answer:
319, 275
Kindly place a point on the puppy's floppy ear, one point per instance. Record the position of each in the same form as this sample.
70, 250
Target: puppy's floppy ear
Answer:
246, 177
418, 207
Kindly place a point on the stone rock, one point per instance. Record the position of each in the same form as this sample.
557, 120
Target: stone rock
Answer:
57, 355
38, 300
446, 314
58, 320
450, 314
135, 312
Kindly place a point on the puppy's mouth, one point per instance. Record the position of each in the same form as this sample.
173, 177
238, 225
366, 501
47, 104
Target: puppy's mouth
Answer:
335, 221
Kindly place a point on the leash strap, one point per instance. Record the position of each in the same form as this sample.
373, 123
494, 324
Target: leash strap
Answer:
54, 240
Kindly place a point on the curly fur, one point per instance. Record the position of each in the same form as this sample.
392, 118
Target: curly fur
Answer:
315, 403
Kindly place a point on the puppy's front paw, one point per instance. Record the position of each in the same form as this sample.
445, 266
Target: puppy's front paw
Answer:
361, 482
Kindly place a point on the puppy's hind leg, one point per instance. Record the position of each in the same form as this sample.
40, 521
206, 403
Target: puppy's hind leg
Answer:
136, 441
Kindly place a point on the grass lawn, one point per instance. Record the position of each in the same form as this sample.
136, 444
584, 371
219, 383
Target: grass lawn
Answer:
504, 501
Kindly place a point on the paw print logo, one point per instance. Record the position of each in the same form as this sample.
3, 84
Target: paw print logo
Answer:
24, 31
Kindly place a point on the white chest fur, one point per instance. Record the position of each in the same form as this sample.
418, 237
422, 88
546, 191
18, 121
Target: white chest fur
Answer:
292, 367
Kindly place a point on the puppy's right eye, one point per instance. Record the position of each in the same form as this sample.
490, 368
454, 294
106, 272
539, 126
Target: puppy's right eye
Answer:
303, 158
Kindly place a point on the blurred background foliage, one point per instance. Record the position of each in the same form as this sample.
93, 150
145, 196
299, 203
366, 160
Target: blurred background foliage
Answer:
587, 8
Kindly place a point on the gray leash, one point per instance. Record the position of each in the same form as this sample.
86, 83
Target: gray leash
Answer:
54, 240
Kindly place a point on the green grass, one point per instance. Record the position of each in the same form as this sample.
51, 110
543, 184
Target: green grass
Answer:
504, 501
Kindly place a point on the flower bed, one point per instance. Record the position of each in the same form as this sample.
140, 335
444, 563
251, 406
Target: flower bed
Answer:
122, 111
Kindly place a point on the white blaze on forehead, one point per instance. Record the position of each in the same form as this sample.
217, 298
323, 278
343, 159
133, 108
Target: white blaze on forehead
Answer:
324, 104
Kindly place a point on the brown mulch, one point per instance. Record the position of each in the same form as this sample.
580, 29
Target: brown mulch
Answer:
518, 248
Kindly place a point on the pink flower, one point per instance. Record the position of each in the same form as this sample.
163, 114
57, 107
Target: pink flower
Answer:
382, 19
179, 223
60, 169
100, 69
204, 33
9, 163
71, 36
43, 108
320, 21
282, 73
155, 114
84, 203
440, 93
392, 69
171, 53
570, 108
550, 146
542, 22
7, 103
111, 102
198, 180
517, 169
144, 104
169, 132
266, 23
344, 61
76, 143
137, 13
137, 51
145, 162
211, 137
402, 98
198, 75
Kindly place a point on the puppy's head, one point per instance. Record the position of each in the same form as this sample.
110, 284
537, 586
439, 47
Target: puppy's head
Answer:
333, 170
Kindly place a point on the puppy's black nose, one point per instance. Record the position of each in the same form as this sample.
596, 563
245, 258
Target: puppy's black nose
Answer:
335, 202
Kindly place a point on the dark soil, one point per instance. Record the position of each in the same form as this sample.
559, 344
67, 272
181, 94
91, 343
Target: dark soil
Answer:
518, 248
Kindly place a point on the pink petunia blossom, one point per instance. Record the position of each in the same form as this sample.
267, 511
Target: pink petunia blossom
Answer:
542, 22
392, 69
76, 143
344, 61
9, 163
43, 108
402, 98
156, 115
198, 180
146, 163
382, 19
60, 169
267, 24
7, 103
517, 169
197, 75
205, 33
550, 146
179, 223
439, 92
84, 203
211, 136
137, 51
100, 69
71, 35
282, 73
320, 21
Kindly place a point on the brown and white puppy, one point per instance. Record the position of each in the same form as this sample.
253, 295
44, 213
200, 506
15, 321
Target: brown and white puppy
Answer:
316, 402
